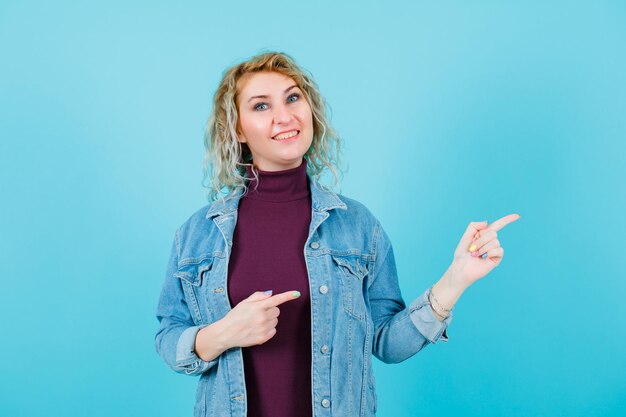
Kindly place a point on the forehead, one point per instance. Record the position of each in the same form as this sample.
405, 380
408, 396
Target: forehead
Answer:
263, 83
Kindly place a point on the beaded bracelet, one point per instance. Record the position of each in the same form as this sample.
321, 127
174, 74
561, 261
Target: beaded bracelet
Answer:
431, 295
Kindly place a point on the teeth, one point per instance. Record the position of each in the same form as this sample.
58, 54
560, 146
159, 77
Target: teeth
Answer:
286, 135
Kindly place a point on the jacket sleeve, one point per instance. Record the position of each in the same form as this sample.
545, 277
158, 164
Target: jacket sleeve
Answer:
399, 331
176, 336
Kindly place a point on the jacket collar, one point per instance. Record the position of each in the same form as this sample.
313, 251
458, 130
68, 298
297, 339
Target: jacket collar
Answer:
322, 199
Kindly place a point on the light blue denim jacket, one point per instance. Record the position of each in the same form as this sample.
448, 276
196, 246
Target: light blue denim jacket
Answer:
356, 307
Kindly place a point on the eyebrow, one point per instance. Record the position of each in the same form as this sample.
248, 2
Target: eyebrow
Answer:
265, 96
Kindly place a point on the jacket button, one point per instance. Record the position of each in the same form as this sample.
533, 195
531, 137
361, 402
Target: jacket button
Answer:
325, 403
324, 349
323, 289
315, 245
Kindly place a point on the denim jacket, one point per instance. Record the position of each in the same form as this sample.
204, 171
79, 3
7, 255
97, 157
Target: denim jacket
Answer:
356, 307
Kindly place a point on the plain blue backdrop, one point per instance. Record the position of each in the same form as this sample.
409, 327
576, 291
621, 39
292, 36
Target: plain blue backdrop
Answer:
451, 112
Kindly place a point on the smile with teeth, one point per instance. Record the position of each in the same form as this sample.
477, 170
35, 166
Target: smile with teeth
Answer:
286, 135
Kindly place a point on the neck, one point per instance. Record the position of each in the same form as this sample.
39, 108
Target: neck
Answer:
286, 185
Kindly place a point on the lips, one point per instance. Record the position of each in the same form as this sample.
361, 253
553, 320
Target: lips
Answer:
286, 135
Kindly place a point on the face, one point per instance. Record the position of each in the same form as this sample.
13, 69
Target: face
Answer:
275, 120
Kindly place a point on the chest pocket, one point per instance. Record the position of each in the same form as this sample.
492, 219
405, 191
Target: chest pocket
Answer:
351, 273
194, 276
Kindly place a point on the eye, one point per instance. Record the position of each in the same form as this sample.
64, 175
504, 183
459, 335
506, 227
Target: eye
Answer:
257, 106
294, 95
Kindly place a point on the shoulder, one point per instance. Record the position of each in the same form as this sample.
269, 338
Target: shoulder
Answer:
355, 214
353, 228
202, 218
199, 236
339, 206
356, 208
197, 217
325, 198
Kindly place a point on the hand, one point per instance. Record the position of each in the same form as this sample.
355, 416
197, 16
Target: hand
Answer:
480, 238
253, 321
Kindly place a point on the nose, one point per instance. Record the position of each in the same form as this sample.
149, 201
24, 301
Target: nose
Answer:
282, 114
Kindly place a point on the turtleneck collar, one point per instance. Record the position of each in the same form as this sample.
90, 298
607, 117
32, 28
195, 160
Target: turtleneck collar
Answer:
287, 185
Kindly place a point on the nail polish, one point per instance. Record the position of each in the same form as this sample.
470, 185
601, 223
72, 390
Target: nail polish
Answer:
472, 248
295, 294
268, 292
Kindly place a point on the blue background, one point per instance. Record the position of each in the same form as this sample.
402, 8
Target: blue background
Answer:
451, 112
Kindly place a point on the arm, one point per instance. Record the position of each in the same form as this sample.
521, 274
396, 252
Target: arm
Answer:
176, 336
210, 341
399, 331
468, 264
191, 349
445, 293
394, 338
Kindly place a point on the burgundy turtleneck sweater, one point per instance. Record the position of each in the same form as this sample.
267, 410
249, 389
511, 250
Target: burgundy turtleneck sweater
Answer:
268, 254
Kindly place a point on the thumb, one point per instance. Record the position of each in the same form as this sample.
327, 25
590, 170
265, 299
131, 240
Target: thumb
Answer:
471, 230
259, 295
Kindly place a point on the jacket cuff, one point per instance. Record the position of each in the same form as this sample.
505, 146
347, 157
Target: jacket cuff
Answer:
426, 322
186, 358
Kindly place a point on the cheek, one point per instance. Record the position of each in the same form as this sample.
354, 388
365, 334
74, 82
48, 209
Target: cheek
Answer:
306, 115
253, 126
311, 126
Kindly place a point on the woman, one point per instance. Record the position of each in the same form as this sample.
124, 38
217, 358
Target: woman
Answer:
278, 292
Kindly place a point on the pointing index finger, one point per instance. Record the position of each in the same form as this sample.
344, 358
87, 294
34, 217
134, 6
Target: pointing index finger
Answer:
281, 298
500, 223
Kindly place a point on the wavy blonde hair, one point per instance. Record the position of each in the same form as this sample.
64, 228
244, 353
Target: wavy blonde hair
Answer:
226, 158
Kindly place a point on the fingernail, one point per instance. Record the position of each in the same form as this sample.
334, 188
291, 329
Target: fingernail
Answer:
475, 254
268, 292
295, 294
472, 248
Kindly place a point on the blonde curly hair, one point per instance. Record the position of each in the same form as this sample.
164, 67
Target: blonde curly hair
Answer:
226, 158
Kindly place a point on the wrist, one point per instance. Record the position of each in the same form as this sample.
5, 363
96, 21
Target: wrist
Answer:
211, 341
219, 335
434, 306
445, 293
453, 279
